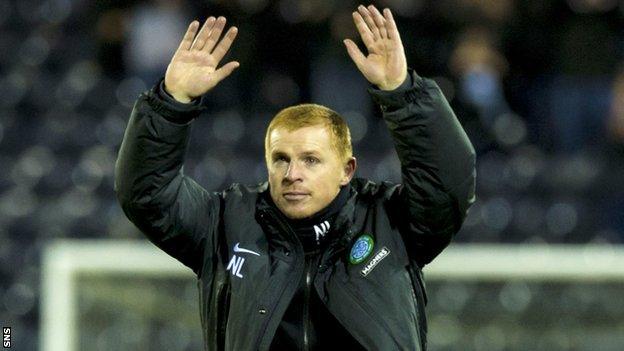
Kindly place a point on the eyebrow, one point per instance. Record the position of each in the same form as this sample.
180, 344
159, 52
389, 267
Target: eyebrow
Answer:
278, 153
311, 153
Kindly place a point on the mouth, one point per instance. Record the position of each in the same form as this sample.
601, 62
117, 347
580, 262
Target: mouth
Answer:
295, 195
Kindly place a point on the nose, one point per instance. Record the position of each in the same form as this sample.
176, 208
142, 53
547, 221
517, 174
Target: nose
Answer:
294, 172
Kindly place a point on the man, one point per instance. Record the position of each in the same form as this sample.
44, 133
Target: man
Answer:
311, 260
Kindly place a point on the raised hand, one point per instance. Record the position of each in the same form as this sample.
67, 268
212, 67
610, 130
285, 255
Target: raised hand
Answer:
385, 65
193, 69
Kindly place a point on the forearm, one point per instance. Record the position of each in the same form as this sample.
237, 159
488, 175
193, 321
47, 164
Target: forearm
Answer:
153, 149
427, 136
437, 158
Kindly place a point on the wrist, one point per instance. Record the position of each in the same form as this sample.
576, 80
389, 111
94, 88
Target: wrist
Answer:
396, 84
171, 109
166, 96
182, 98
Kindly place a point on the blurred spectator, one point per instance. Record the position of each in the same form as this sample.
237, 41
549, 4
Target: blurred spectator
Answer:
585, 57
154, 31
111, 31
615, 127
480, 68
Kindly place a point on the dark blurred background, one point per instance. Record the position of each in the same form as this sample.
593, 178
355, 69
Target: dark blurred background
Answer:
537, 84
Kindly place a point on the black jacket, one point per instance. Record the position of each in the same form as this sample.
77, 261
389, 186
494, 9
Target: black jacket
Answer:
249, 263
307, 324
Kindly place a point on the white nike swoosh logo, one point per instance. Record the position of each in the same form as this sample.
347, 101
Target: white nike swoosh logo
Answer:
238, 249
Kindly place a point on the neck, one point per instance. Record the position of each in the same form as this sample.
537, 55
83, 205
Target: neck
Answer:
313, 230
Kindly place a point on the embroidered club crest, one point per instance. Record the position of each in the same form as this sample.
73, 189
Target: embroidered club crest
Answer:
361, 249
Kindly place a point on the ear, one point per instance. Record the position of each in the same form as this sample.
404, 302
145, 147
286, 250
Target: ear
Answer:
349, 171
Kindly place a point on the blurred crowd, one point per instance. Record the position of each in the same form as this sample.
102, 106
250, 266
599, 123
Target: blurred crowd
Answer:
537, 84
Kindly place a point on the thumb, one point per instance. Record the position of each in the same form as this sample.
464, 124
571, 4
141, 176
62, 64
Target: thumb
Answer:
354, 52
225, 71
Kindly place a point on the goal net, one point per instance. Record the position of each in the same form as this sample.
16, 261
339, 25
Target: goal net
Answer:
128, 295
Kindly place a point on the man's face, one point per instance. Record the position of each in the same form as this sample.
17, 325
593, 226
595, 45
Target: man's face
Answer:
305, 172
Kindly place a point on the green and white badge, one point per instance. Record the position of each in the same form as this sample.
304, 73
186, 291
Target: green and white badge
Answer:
361, 249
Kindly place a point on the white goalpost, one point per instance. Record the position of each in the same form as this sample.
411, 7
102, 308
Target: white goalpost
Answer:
65, 260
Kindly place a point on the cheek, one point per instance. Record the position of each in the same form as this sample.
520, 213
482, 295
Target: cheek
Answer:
328, 180
274, 173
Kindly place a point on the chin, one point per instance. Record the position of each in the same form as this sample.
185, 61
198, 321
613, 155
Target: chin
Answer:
297, 213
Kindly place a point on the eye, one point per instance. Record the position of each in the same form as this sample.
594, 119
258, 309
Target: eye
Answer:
280, 158
311, 160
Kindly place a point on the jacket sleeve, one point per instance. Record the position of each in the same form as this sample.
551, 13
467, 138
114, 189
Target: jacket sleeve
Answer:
437, 166
172, 210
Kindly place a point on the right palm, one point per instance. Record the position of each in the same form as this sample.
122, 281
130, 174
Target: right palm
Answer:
193, 69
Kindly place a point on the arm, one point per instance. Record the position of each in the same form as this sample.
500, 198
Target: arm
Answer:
437, 159
172, 210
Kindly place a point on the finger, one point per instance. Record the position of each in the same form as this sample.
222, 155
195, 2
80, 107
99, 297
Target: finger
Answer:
354, 52
187, 41
369, 22
225, 71
202, 36
215, 34
365, 33
391, 27
379, 21
225, 44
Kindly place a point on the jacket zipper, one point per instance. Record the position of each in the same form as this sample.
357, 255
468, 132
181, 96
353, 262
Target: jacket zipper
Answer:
299, 248
306, 307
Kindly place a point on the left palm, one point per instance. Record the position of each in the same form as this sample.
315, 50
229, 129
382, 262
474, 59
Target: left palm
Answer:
385, 65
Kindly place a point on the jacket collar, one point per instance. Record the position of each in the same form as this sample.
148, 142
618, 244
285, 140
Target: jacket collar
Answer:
342, 225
